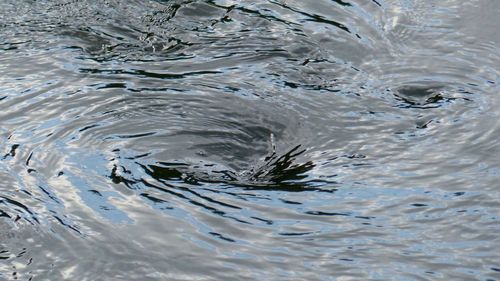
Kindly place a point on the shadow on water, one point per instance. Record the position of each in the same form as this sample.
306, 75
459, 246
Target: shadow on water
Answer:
425, 97
276, 173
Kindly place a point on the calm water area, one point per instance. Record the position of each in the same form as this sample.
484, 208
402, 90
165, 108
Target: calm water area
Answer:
250, 140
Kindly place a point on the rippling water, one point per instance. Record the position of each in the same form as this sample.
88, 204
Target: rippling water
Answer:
249, 140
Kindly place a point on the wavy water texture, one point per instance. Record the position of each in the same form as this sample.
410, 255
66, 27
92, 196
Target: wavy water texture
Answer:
249, 140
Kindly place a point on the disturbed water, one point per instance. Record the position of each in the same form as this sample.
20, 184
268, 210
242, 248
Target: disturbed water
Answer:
249, 140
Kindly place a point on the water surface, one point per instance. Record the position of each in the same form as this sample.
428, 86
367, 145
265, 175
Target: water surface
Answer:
249, 140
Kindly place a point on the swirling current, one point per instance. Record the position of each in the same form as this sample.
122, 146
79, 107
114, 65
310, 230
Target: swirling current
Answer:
249, 140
